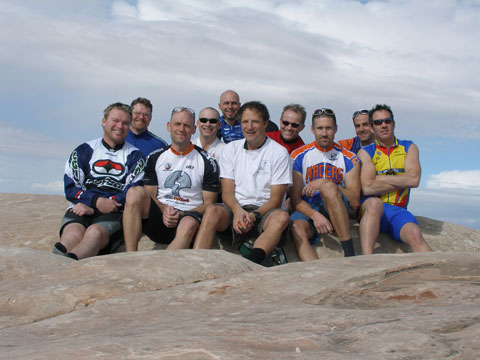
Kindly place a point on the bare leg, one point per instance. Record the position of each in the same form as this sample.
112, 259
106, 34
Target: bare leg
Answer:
410, 234
137, 207
214, 219
96, 238
186, 229
370, 224
72, 234
274, 225
301, 234
337, 211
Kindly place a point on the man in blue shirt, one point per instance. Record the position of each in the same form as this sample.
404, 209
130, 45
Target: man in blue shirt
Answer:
231, 129
139, 135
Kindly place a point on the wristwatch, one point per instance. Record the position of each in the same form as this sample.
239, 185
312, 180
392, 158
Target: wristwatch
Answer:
257, 215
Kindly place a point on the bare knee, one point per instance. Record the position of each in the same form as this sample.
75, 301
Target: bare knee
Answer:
411, 234
136, 195
373, 206
280, 218
188, 225
300, 232
329, 191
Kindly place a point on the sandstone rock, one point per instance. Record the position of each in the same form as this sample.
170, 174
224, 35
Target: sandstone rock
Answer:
38, 285
385, 306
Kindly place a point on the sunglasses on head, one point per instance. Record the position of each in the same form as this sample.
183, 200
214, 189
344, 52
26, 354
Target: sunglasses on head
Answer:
286, 123
381, 121
322, 111
180, 109
205, 120
360, 112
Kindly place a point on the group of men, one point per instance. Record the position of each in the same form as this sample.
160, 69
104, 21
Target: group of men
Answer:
237, 177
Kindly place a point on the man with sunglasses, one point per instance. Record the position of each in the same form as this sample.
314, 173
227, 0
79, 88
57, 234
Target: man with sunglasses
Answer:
326, 180
180, 181
292, 122
390, 168
139, 136
364, 132
98, 175
255, 175
208, 124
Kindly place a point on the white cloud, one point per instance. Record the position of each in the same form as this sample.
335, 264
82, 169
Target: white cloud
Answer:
459, 206
455, 179
55, 187
16, 141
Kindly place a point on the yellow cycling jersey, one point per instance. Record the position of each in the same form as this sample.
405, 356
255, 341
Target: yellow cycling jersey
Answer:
391, 161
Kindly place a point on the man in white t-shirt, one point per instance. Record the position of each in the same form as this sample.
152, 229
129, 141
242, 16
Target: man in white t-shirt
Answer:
182, 180
255, 175
208, 124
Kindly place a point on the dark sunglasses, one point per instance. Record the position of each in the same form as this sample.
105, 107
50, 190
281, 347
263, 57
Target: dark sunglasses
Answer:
205, 120
180, 109
322, 111
381, 121
359, 112
286, 123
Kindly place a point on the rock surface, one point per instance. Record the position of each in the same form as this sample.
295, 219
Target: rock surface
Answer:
152, 305
212, 304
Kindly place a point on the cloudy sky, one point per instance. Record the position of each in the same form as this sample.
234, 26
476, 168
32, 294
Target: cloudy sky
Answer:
63, 61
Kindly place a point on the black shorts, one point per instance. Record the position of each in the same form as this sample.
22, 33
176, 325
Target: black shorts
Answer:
111, 222
257, 228
156, 230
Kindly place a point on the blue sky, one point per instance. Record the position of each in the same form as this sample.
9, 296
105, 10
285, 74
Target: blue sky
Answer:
63, 61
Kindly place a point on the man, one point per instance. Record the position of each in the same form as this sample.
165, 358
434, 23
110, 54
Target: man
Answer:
139, 135
180, 181
255, 174
364, 132
292, 122
97, 177
231, 129
390, 168
208, 124
326, 181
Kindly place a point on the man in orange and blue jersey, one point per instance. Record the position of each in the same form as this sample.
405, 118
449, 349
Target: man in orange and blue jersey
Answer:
326, 183
390, 168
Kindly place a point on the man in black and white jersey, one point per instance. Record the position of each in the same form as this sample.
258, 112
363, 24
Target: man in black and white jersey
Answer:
180, 181
97, 177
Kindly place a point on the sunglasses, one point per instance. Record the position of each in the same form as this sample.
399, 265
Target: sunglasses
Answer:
205, 120
180, 109
322, 111
360, 112
286, 123
381, 121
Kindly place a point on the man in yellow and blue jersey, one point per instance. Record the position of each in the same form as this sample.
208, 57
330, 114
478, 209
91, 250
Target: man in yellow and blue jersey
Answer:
390, 168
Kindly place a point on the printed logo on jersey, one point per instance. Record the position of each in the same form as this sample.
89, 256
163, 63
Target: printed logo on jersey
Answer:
140, 167
108, 167
177, 181
264, 167
328, 172
333, 156
74, 166
167, 166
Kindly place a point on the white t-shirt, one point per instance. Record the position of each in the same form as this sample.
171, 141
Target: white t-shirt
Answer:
254, 171
215, 149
